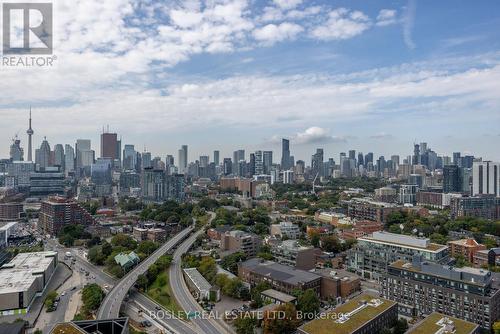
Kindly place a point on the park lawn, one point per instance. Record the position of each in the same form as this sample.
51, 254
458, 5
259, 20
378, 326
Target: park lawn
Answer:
160, 292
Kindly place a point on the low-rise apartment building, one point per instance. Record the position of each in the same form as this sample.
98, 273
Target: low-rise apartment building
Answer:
487, 257
466, 248
291, 253
421, 287
338, 284
286, 230
280, 277
372, 254
240, 241
484, 206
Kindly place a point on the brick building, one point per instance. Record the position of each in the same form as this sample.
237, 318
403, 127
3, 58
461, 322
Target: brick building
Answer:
280, 277
57, 212
466, 248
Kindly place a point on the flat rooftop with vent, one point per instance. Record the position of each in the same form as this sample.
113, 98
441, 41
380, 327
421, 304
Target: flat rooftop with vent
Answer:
437, 323
355, 316
23, 278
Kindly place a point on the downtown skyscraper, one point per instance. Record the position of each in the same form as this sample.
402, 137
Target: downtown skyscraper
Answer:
285, 154
183, 159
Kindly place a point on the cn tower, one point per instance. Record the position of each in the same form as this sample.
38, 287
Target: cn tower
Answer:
30, 133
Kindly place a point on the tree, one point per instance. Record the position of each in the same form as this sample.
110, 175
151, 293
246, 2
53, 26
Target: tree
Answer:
308, 302
245, 324
331, 243
96, 256
315, 239
256, 291
400, 326
260, 228
496, 327
208, 268
67, 240
50, 299
490, 242
460, 261
147, 247
38, 331
92, 296
152, 272
265, 256
231, 261
285, 324
94, 241
164, 261
106, 248
142, 281
438, 238
124, 240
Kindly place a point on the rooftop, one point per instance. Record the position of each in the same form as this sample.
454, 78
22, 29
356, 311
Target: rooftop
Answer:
466, 274
20, 273
357, 312
279, 272
66, 328
292, 245
465, 242
198, 279
404, 240
124, 259
12, 328
275, 294
436, 321
107, 326
368, 200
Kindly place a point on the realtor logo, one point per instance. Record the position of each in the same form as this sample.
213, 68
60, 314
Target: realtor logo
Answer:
27, 28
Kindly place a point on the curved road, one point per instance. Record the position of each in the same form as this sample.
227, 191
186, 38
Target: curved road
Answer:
144, 303
183, 296
110, 307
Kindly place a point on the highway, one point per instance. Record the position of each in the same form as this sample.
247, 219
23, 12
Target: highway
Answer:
110, 307
145, 304
181, 292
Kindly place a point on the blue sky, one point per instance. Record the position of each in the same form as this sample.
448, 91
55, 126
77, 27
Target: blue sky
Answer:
229, 74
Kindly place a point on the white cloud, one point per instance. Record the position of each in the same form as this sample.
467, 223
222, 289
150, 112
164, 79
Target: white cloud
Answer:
342, 23
386, 17
382, 135
316, 135
409, 22
287, 4
272, 33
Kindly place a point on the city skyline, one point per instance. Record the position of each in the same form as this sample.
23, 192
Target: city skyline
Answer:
277, 145
336, 75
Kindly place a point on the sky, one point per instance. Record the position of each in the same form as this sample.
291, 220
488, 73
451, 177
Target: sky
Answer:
374, 76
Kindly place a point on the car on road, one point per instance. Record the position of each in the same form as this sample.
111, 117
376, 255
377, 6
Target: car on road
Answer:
157, 308
63, 293
146, 323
